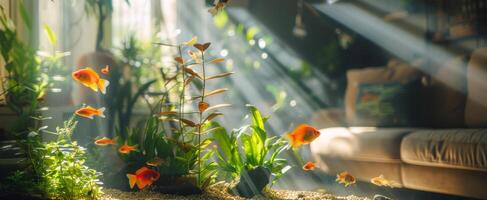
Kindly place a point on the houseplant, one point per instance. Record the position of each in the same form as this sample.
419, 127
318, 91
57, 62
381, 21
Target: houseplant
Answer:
25, 83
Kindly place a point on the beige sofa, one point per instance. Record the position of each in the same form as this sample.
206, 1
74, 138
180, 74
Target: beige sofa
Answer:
449, 160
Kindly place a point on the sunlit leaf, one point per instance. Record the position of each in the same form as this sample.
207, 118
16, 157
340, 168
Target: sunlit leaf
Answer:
217, 91
217, 60
166, 113
191, 42
212, 116
51, 36
188, 122
192, 72
188, 81
219, 76
179, 60
211, 130
202, 47
202, 106
205, 143
218, 106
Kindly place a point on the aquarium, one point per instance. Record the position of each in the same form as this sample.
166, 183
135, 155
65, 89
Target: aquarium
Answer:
243, 99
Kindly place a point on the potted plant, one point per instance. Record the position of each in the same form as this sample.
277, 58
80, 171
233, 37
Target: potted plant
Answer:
251, 157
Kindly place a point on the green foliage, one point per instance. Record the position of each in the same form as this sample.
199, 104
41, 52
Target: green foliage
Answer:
60, 166
257, 148
121, 97
25, 83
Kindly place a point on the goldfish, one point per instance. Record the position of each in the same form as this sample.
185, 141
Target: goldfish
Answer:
104, 141
125, 149
89, 112
89, 78
156, 162
218, 5
309, 166
381, 181
105, 70
143, 177
345, 178
303, 134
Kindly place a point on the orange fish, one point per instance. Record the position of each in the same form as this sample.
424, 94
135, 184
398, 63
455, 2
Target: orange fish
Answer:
143, 177
303, 134
125, 149
381, 181
309, 166
105, 141
218, 5
89, 78
346, 178
89, 112
105, 70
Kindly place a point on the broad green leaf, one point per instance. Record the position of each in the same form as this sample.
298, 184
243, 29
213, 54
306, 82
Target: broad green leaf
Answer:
51, 36
256, 117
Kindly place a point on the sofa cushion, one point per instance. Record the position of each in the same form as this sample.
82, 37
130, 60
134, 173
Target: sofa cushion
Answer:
360, 143
398, 73
476, 108
451, 148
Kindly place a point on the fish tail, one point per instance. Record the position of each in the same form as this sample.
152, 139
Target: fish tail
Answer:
103, 84
101, 112
93, 86
132, 180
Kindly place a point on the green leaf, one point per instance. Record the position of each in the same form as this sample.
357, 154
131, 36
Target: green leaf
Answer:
25, 16
256, 116
51, 36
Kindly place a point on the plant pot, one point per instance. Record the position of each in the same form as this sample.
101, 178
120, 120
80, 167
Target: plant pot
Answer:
252, 182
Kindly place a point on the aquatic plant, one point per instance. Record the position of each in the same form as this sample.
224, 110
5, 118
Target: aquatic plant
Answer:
124, 91
250, 147
56, 169
65, 174
25, 83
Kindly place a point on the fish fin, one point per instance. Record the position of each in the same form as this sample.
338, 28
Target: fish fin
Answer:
292, 140
141, 170
94, 87
86, 116
103, 84
101, 112
143, 183
132, 180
